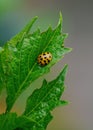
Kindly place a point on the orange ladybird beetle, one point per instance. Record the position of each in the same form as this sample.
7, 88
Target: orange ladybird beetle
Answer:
44, 58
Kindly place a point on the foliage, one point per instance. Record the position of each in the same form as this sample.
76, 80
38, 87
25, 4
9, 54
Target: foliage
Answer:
19, 68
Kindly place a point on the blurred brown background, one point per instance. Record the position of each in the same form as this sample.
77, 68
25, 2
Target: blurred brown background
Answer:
78, 23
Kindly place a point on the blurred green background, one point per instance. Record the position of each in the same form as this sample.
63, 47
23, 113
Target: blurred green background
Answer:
78, 22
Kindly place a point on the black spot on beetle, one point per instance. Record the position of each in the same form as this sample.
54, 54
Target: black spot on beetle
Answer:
49, 56
48, 60
45, 61
41, 58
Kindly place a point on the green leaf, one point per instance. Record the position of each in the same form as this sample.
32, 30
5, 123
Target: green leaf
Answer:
44, 100
2, 75
39, 105
10, 121
5, 54
25, 123
19, 58
7, 121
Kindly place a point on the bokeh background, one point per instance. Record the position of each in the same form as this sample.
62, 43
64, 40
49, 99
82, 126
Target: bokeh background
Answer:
78, 23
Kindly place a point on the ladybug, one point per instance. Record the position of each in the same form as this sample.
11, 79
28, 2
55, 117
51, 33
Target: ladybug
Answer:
44, 58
